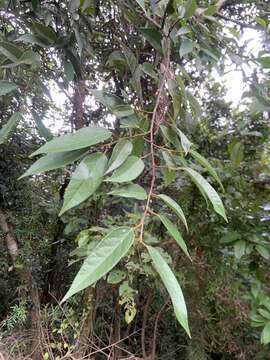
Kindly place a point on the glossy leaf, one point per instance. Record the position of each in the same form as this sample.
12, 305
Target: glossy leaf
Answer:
205, 163
169, 280
84, 181
208, 190
53, 161
174, 206
130, 191
102, 259
120, 153
81, 139
6, 87
128, 171
173, 231
154, 37
6, 130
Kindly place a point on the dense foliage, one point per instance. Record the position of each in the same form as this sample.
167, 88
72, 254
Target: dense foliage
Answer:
134, 207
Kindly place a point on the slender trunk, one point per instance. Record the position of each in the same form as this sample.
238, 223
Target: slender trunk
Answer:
25, 277
11, 242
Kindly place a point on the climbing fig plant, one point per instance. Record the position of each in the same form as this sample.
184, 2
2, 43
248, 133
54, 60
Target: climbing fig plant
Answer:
140, 75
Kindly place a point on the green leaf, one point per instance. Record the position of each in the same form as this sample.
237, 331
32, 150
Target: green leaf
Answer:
81, 139
45, 33
6, 87
10, 51
130, 58
190, 8
263, 251
264, 61
6, 130
172, 285
149, 69
236, 150
128, 171
186, 47
154, 37
53, 161
170, 135
264, 313
104, 257
205, 163
116, 276
130, 191
186, 144
85, 180
114, 103
174, 206
41, 128
175, 93
207, 190
120, 153
265, 335
239, 249
173, 231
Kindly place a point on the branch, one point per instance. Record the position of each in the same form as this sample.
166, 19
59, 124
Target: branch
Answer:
166, 64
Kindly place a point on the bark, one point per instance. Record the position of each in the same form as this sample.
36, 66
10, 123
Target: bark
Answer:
11, 242
25, 276
78, 104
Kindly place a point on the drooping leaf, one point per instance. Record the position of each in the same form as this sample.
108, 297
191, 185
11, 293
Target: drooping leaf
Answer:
45, 33
6, 87
6, 130
111, 249
53, 161
10, 51
175, 207
170, 135
130, 191
208, 190
263, 251
239, 249
128, 171
114, 103
186, 47
41, 128
172, 285
205, 163
85, 180
120, 153
186, 144
154, 37
175, 93
190, 8
149, 69
265, 336
236, 150
81, 139
173, 231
